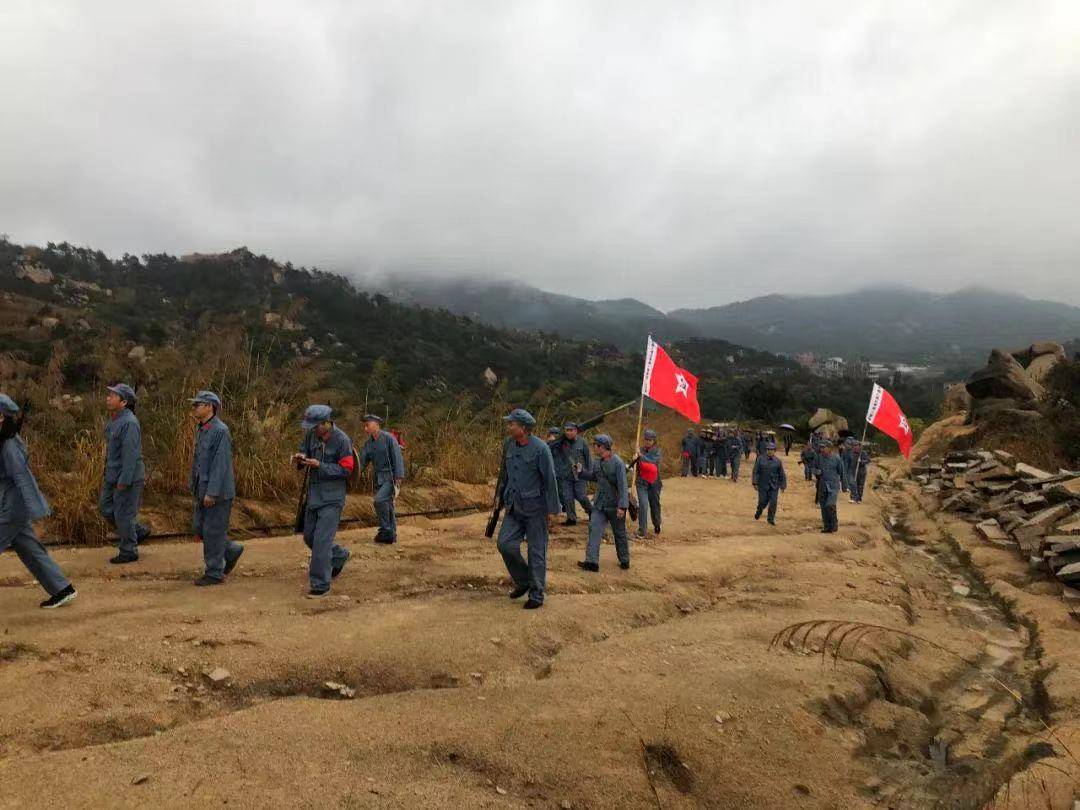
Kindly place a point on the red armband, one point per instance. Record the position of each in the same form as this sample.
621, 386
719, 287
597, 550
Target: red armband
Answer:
347, 463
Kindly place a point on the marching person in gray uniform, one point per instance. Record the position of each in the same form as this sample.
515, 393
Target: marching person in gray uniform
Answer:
610, 503
689, 453
573, 452
848, 461
719, 453
647, 483
734, 455
530, 493
327, 453
744, 438
214, 488
831, 482
383, 453
21, 502
122, 485
861, 456
808, 459
769, 479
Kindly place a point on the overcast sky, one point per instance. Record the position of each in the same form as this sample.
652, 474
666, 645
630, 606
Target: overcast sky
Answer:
685, 153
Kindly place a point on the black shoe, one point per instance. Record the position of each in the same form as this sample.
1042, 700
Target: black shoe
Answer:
60, 598
337, 569
316, 593
519, 591
385, 539
231, 564
585, 565
569, 523
639, 535
143, 532
124, 559
532, 604
757, 515
204, 581
656, 530
624, 566
772, 522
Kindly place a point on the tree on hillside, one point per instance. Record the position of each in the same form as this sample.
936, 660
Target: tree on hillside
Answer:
764, 400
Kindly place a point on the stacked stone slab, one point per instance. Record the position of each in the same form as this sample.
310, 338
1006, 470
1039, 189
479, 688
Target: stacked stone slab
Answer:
1013, 506
827, 423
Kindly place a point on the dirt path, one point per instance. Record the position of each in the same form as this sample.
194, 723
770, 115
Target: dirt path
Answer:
641, 688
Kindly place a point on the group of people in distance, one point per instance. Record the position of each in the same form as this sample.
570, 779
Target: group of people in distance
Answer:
326, 454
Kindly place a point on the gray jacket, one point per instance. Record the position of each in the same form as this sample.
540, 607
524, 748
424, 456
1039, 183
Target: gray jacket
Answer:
529, 487
212, 466
384, 454
831, 471
20, 498
611, 489
769, 473
328, 482
123, 449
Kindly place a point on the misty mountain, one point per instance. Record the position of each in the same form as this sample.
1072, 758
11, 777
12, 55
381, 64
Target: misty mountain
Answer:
889, 324
624, 322
885, 324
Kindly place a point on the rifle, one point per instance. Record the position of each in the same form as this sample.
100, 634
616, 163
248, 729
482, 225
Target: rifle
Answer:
497, 502
596, 420
301, 508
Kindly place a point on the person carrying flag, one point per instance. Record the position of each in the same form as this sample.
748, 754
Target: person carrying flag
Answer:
647, 483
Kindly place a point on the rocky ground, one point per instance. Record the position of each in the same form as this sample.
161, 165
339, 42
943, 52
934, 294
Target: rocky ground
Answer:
418, 684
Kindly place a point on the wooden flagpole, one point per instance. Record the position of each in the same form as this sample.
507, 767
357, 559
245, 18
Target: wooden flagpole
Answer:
640, 412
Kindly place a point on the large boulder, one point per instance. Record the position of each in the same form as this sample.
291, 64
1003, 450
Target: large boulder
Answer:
34, 273
957, 400
821, 416
1041, 366
827, 430
1003, 378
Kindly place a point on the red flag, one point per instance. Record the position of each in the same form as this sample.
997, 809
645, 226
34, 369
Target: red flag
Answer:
670, 385
886, 416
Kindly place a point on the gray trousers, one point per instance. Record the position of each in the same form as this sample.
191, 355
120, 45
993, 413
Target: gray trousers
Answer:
735, 460
121, 508
829, 521
808, 471
720, 465
384, 508
648, 496
598, 523
212, 525
768, 497
860, 484
571, 493
320, 528
534, 530
21, 537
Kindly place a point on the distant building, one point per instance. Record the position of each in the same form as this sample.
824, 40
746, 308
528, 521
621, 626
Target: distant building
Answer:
805, 359
833, 367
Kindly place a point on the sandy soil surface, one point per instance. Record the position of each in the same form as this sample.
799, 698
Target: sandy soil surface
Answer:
653, 687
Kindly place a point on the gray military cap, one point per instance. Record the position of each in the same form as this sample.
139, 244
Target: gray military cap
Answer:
521, 416
316, 414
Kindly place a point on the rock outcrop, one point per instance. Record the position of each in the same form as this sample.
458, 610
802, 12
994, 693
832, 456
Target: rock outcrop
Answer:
827, 423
